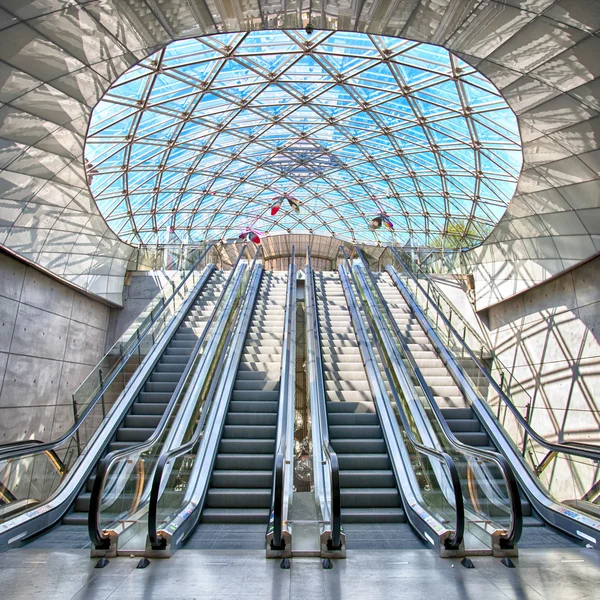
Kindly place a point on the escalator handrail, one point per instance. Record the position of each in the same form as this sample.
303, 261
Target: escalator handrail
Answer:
156, 542
38, 448
478, 336
100, 540
333, 463
458, 535
580, 449
514, 533
286, 398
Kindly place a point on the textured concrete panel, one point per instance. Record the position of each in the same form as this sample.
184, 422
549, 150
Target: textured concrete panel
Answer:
8, 316
89, 311
71, 377
586, 281
549, 340
25, 423
42, 291
32, 369
85, 343
12, 275
40, 333
30, 381
3, 361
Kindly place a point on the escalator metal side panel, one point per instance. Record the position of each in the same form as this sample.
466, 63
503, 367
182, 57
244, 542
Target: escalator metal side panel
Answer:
184, 523
26, 525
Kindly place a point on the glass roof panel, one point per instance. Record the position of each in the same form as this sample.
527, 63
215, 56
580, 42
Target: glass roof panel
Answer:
200, 139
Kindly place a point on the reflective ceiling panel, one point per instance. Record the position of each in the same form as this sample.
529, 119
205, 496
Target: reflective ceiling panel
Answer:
198, 140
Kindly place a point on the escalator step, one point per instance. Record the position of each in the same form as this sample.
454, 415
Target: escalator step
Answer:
235, 515
238, 498
251, 418
362, 431
354, 446
244, 461
250, 432
370, 497
134, 434
370, 479
242, 479
148, 408
143, 421
247, 406
227, 446
373, 515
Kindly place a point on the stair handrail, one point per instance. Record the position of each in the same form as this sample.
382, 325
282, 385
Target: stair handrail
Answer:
35, 447
97, 536
155, 541
456, 539
510, 539
580, 449
335, 541
285, 415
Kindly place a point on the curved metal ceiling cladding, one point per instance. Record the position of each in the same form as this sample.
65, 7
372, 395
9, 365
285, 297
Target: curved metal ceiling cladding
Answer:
198, 140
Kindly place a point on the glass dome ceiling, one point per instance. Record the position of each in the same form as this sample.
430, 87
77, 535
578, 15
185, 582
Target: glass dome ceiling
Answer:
199, 140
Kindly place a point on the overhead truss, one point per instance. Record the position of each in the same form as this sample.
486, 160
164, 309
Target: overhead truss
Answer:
195, 141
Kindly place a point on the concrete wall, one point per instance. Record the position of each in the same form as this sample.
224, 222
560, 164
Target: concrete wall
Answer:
50, 338
141, 287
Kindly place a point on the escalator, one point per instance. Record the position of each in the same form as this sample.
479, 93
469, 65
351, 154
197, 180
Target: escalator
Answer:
454, 406
376, 484
240, 485
460, 383
150, 404
222, 476
368, 486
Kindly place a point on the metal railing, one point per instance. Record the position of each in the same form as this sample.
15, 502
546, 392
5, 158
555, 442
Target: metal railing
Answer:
27, 471
96, 385
577, 449
193, 453
453, 540
283, 468
575, 520
326, 465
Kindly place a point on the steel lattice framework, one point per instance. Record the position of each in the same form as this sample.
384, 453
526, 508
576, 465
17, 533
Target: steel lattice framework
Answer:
195, 141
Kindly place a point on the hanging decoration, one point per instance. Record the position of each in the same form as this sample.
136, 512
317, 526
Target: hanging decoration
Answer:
379, 220
278, 201
251, 235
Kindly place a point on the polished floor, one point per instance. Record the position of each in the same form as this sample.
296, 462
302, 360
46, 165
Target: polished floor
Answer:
565, 574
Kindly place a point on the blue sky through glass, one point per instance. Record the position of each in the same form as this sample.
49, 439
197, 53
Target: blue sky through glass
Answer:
196, 141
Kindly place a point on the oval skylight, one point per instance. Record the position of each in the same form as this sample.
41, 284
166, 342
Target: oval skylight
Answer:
198, 140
